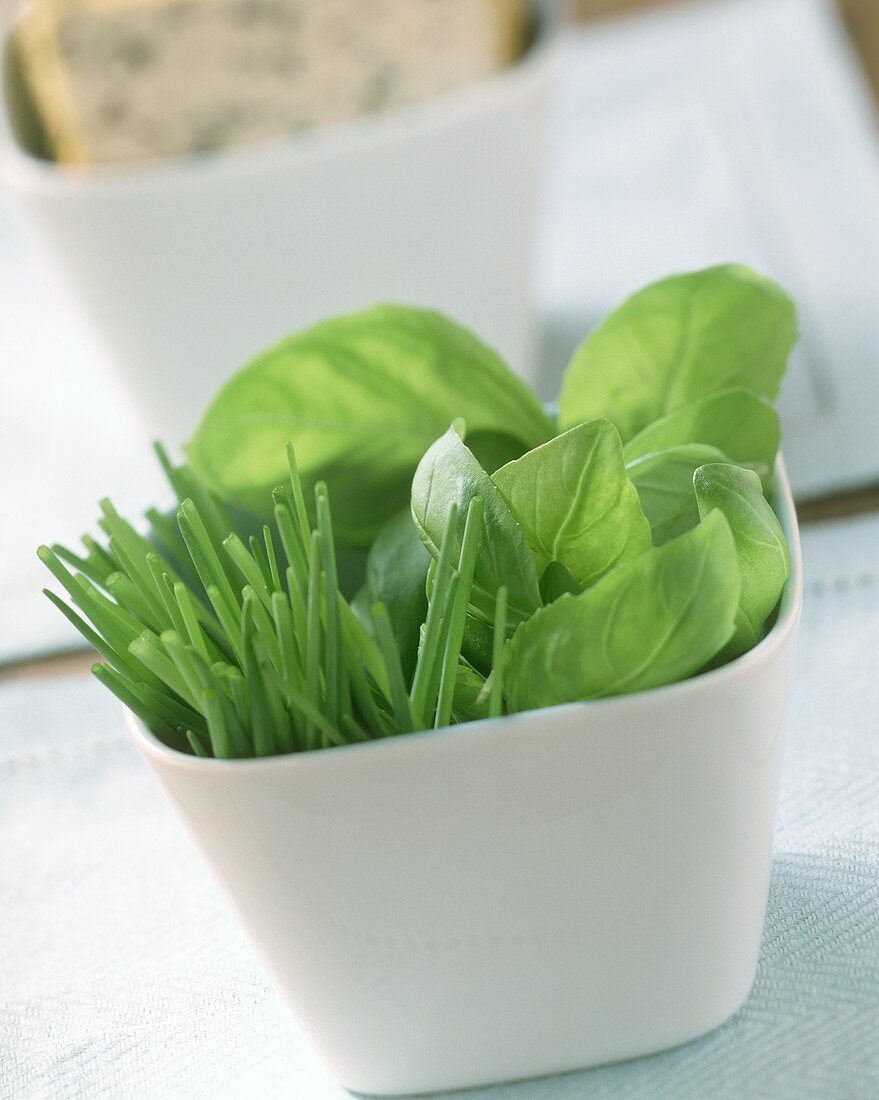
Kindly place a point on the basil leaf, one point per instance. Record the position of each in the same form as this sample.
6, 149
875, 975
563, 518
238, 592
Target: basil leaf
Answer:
494, 449
449, 474
678, 340
555, 581
653, 621
739, 423
396, 572
361, 605
576, 503
478, 643
470, 701
664, 482
763, 554
361, 397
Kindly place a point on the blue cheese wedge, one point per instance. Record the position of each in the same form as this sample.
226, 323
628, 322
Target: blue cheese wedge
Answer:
124, 80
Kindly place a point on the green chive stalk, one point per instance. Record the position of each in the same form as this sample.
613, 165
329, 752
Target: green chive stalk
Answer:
232, 648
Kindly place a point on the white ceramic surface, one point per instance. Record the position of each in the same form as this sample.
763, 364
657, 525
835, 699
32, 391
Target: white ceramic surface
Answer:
517, 897
189, 266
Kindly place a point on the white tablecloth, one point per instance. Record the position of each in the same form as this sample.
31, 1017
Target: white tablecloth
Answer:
124, 976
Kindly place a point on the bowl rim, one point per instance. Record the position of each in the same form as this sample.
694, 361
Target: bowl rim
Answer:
24, 171
778, 637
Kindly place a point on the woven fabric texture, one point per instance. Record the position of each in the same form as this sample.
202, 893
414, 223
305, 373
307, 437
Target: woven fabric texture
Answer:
123, 975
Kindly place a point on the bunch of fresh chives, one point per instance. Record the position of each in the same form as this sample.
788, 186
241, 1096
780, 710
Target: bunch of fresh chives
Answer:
249, 649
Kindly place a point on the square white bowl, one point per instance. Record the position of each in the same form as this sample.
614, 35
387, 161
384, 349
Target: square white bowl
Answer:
189, 265
515, 897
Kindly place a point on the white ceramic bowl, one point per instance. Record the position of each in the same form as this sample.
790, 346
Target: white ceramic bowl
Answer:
515, 897
187, 265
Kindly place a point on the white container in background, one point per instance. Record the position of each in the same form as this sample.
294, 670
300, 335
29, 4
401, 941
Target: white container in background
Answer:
189, 266
516, 897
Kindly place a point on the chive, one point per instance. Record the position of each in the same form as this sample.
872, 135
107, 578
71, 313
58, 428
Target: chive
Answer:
259, 557
99, 556
301, 512
265, 627
87, 598
335, 696
354, 729
185, 484
281, 726
291, 671
164, 587
195, 675
219, 734
362, 691
167, 535
150, 652
117, 626
272, 558
191, 629
138, 591
291, 541
113, 617
314, 717
197, 744
230, 620
88, 566
496, 698
128, 597
437, 657
365, 645
430, 646
260, 714
247, 567
313, 640
120, 659
238, 692
298, 597
204, 556
458, 612
130, 549
128, 695
171, 472
400, 700
170, 708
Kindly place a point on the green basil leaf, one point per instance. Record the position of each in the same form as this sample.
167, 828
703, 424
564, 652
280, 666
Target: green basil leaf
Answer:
351, 569
739, 423
396, 572
449, 474
494, 449
655, 620
678, 340
478, 643
361, 605
664, 482
763, 554
575, 502
555, 581
470, 701
361, 397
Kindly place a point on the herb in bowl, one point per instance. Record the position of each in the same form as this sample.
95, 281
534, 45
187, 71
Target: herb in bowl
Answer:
508, 565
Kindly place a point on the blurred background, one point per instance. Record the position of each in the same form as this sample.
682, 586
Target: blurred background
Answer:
182, 182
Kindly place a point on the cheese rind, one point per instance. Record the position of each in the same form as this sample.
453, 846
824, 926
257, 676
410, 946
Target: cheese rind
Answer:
122, 80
